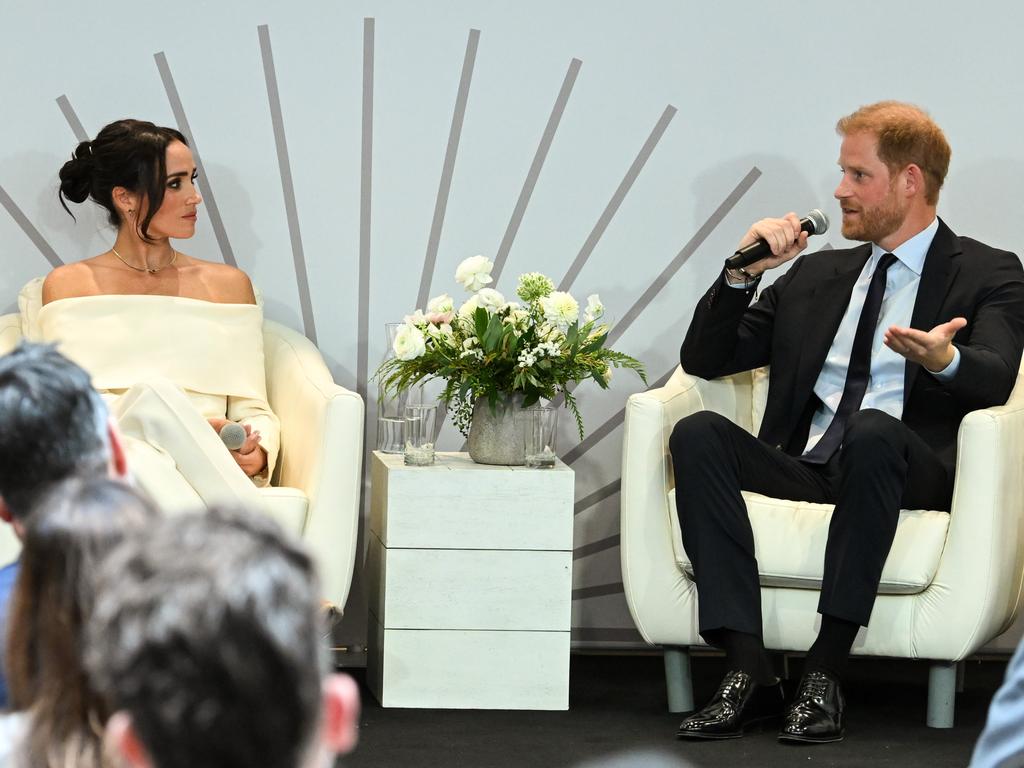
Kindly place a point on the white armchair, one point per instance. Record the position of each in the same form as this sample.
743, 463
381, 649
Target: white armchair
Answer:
951, 582
318, 478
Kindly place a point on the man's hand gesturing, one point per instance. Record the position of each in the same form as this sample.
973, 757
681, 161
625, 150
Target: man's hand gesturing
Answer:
932, 349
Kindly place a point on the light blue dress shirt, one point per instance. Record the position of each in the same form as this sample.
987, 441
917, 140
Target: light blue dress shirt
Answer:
885, 386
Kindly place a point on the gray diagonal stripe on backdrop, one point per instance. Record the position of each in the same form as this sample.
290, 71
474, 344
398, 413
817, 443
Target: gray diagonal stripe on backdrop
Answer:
277, 119
674, 266
620, 194
605, 429
448, 169
535, 167
182, 120
69, 114
599, 495
695, 242
599, 590
29, 228
594, 547
365, 189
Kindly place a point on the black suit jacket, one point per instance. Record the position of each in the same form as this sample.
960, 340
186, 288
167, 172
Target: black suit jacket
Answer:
792, 325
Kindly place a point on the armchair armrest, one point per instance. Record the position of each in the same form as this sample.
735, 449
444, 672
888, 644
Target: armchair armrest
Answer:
649, 571
10, 332
980, 572
321, 451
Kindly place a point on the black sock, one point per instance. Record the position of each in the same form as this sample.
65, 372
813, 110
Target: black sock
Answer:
746, 653
832, 648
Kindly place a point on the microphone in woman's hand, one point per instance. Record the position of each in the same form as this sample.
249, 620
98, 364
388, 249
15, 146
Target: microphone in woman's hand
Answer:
233, 435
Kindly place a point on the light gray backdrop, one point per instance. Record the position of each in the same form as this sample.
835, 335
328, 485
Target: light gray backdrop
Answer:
355, 152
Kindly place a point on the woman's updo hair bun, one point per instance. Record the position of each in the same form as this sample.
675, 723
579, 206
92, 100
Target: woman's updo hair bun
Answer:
76, 174
127, 153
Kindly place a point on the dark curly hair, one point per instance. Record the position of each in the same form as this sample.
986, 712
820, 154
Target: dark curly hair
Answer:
207, 632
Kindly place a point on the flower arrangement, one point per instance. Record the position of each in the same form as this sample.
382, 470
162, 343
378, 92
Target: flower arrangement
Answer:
489, 347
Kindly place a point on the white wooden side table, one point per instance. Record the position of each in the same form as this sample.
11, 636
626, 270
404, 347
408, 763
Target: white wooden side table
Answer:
469, 574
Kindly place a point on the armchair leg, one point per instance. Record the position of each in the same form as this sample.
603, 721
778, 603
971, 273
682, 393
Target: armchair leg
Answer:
678, 679
942, 679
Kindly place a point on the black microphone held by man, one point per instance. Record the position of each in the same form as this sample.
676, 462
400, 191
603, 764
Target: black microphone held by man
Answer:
814, 223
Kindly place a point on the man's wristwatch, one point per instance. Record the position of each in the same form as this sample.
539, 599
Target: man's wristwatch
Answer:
740, 275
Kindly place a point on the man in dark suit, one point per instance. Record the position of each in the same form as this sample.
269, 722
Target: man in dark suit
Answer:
876, 353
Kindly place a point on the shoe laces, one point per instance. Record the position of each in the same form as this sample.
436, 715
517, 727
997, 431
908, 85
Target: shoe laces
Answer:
732, 684
815, 686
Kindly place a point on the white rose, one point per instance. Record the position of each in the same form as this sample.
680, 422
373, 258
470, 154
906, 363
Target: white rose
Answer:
560, 309
409, 343
474, 273
548, 332
594, 308
490, 299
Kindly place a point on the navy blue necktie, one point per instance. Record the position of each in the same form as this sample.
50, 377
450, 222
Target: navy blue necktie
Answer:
859, 371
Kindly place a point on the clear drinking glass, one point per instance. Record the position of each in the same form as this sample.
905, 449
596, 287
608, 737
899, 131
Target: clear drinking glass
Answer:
539, 424
390, 405
419, 434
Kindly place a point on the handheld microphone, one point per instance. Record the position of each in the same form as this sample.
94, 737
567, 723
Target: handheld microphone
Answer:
233, 435
814, 223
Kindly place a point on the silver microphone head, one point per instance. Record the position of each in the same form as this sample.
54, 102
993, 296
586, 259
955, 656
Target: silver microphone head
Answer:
233, 435
820, 221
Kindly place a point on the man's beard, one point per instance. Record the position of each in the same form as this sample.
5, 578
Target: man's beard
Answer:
876, 223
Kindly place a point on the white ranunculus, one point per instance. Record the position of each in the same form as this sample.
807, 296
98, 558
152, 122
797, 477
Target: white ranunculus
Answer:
474, 273
469, 307
560, 309
442, 303
409, 343
490, 299
441, 309
595, 308
417, 318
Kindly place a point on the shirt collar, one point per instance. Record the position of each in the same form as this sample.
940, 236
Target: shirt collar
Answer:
911, 253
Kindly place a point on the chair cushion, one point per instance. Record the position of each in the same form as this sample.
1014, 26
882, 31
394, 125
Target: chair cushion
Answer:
789, 543
288, 506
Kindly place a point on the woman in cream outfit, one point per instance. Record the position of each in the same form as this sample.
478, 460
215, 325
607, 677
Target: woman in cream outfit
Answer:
175, 344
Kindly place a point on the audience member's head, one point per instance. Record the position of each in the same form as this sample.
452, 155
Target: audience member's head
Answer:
53, 425
72, 528
208, 642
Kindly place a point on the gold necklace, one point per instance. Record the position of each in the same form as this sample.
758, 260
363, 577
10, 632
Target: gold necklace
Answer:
151, 270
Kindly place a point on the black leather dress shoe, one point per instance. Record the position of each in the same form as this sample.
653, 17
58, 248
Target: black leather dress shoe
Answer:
816, 715
738, 702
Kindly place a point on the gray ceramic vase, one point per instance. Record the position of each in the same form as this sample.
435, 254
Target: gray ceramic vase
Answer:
493, 436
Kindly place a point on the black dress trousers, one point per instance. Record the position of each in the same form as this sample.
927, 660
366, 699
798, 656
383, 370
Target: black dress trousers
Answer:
883, 466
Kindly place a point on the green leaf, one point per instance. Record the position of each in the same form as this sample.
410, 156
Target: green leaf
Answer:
480, 318
492, 334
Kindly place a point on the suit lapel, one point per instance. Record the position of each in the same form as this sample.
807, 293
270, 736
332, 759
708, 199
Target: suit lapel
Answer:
829, 298
940, 269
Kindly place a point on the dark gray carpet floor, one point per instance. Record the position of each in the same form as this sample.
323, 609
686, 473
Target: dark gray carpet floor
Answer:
617, 715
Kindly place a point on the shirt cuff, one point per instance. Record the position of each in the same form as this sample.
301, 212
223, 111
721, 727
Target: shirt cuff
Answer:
949, 372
